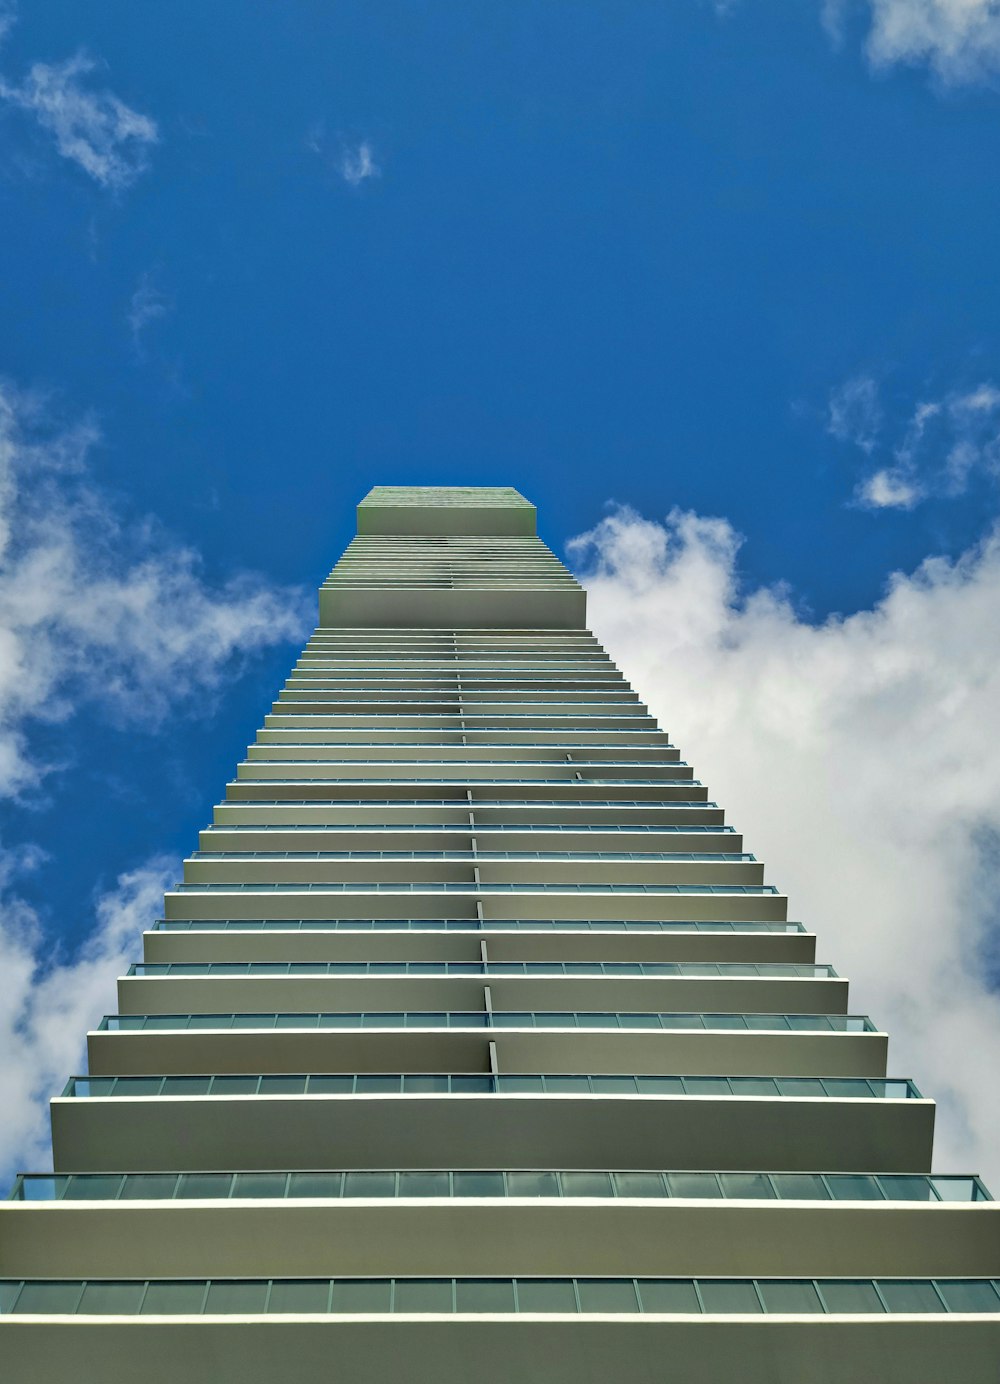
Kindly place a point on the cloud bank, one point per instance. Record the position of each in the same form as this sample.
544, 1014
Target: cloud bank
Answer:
957, 40
861, 758
93, 613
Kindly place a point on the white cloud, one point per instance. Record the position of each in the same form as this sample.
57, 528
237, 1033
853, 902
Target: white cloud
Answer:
357, 164
958, 40
861, 757
46, 1007
944, 445
91, 126
854, 413
147, 304
92, 611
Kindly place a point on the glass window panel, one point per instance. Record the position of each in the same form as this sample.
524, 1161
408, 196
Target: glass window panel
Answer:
378, 1083
607, 1295
639, 1184
235, 1295
282, 1085
608, 1085
204, 1185
292, 1021
300, 1295
847, 1087
586, 1184
952, 1188
659, 1085
9, 1290
800, 1086
48, 1297
423, 1184
753, 1086
902, 1295
315, 1184
234, 1085
101, 1188
746, 1185
899, 1188
463, 1082
666, 1295
728, 1295
854, 1187
149, 1186
484, 1295
426, 1083
533, 1184
42, 1188
475, 1184
138, 1086
185, 1085
706, 1086
422, 1295
330, 1085
260, 1185
790, 1297
800, 1186
699, 1185
519, 1083
961, 1295
843, 1295
111, 1299
545, 1295
560, 1082
369, 1184
169, 1299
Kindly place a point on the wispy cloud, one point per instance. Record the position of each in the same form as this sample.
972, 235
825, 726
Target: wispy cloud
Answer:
354, 161
147, 304
98, 613
957, 40
938, 450
862, 758
90, 125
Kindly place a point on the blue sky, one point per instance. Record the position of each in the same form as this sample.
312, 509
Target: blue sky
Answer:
738, 259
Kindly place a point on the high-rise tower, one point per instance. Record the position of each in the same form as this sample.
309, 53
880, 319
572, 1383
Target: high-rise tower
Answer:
473, 1047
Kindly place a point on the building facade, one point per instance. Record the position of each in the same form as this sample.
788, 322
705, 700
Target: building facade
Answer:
473, 1046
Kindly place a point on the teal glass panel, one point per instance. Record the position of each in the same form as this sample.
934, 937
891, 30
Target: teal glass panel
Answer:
234, 1085
236, 1295
607, 1295
204, 1185
639, 1184
423, 1295
330, 1085
475, 1085
484, 1295
955, 1188
9, 1289
854, 1187
532, 1184
111, 1299
293, 1021
916, 1188
103, 1187
369, 1184
800, 1086
44, 1188
304, 1295
697, 1185
173, 1299
315, 1184
510, 1084
848, 1088
476, 1184
754, 1185
545, 1295
706, 1086
753, 1086
260, 1185
48, 1298
185, 1086
902, 1295
351, 1295
423, 1184
790, 1297
149, 1186
378, 1084
961, 1295
426, 1083
722, 1295
608, 1085
845, 1295
659, 1085
668, 1296
586, 1184
282, 1085
138, 1085
800, 1186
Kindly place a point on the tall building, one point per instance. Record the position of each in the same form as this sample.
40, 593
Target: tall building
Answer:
473, 1047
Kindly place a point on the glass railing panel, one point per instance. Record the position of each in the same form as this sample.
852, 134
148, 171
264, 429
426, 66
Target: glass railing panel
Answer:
458, 1019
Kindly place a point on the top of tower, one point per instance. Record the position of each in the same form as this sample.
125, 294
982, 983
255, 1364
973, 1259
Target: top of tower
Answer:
445, 509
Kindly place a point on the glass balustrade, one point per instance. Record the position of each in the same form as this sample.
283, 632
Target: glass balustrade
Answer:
691, 970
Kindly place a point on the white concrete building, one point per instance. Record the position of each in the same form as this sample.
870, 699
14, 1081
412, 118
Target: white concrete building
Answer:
473, 1046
